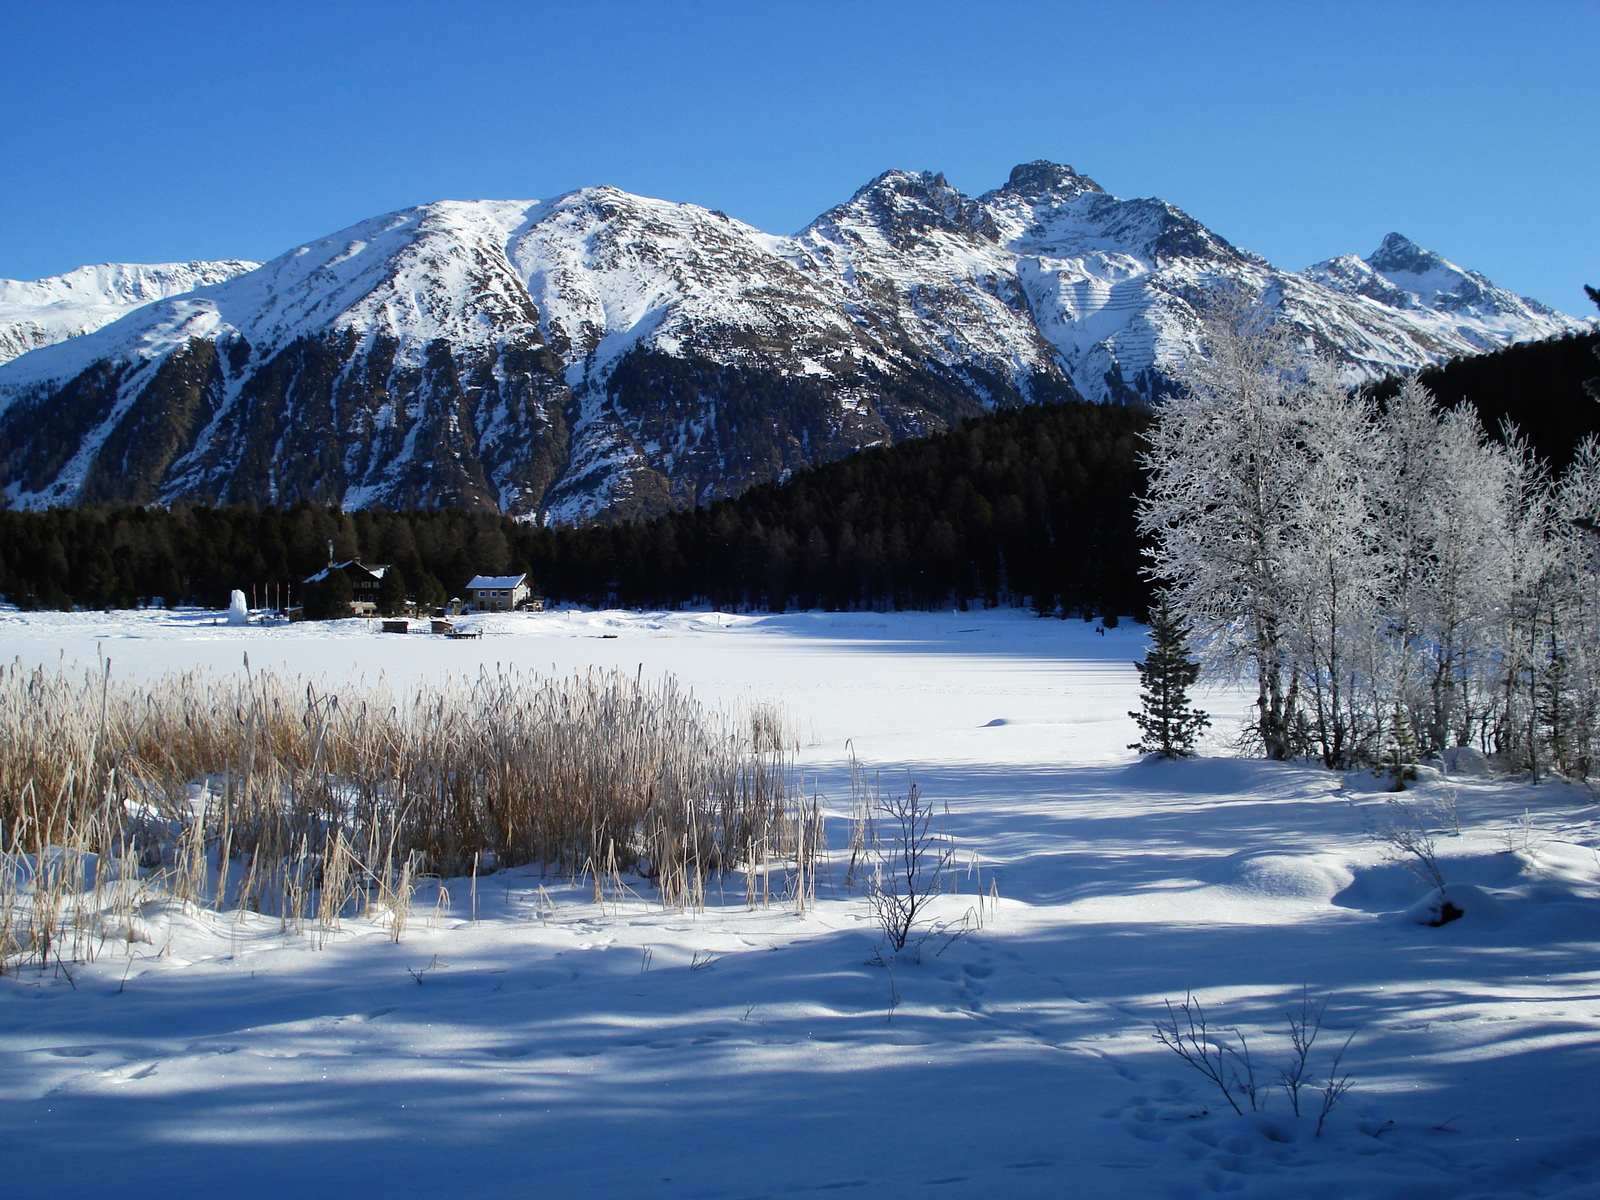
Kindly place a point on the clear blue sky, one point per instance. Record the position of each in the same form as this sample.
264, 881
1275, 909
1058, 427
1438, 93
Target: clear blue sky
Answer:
156, 131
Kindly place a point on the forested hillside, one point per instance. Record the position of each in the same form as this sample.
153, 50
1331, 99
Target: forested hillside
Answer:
1032, 505
1539, 386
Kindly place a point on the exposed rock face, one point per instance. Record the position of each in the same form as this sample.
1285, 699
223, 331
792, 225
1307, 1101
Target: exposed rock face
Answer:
606, 356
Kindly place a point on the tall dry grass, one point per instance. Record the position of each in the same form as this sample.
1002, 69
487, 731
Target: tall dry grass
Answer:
275, 794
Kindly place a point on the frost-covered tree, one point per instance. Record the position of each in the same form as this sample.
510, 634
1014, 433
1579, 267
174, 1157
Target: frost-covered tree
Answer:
1441, 510
1336, 565
1531, 611
1572, 692
1168, 723
1404, 515
1224, 504
1393, 581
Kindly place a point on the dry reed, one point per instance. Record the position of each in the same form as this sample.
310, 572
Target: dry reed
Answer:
275, 794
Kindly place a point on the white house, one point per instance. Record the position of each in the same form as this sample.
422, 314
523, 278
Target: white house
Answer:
498, 593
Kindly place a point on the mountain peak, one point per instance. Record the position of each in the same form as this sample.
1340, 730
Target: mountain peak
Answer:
1400, 253
906, 183
1042, 177
906, 206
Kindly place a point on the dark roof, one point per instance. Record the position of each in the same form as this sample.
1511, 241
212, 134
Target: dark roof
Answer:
376, 570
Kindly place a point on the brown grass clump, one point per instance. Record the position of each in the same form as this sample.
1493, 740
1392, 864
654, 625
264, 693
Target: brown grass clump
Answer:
276, 794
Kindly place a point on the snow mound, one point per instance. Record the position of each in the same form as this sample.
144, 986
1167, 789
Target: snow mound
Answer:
1446, 904
1465, 760
1286, 877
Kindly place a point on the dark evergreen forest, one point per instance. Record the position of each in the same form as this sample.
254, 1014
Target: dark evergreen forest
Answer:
1538, 386
1029, 505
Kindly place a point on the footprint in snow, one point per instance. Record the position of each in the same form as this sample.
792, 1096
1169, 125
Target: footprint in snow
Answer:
508, 1051
1127, 1073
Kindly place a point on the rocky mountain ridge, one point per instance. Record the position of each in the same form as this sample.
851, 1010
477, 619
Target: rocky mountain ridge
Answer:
604, 356
40, 312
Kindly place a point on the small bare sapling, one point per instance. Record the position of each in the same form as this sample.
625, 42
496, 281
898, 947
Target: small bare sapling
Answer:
1188, 1034
1407, 840
1305, 1026
1223, 1056
908, 869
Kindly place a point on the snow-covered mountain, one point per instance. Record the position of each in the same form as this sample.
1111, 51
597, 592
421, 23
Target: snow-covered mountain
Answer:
1437, 294
605, 355
42, 311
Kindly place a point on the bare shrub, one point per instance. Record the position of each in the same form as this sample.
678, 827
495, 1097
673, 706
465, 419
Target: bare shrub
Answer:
1407, 840
1188, 1034
1523, 836
1447, 807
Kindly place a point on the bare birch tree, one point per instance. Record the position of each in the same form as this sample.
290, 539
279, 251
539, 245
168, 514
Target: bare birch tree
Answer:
1226, 462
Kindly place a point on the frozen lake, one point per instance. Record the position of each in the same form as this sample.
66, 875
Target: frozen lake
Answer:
557, 1047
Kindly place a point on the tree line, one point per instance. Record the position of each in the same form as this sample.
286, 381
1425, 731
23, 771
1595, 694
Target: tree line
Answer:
1032, 505
1540, 387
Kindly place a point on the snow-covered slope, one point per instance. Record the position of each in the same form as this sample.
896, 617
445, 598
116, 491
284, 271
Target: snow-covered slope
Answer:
668, 317
605, 355
45, 311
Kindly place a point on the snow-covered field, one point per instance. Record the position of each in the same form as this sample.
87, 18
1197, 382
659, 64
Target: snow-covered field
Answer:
568, 1049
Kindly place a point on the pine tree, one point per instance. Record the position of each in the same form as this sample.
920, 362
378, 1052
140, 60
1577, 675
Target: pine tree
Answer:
392, 592
329, 598
1400, 760
1167, 722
